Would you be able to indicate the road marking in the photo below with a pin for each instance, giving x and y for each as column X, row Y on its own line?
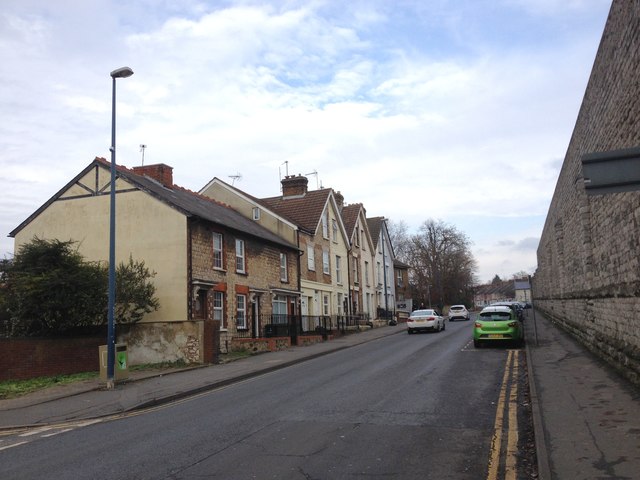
column 36, row 431
column 53, row 434
column 14, row 445
column 506, row 418
column 512, row 436
column 496, row 443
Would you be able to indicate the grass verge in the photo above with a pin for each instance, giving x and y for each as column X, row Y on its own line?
column 17, row 388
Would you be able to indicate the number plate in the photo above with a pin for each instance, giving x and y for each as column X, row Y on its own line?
column 495, row 336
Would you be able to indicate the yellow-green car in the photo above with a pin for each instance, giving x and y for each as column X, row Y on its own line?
column 497, row 324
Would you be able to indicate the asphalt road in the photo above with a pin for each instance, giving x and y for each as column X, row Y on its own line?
column 405, row 406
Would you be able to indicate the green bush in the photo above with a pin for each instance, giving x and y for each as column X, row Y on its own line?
column 48, row 288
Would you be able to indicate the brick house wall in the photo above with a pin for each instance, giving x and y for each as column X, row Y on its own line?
column 319, row 244
column 260, row 282
column 588, row 276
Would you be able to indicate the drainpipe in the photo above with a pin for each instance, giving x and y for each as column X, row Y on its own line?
column 384, row 269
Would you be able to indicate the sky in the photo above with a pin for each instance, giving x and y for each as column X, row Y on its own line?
column 452, row 110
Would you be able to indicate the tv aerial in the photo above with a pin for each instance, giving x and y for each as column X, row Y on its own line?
column 315, row 172
column 235, row 177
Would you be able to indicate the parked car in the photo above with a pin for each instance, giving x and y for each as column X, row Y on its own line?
column 515, row 306
column 458, row 311
column 425, row 320
column 497, row 323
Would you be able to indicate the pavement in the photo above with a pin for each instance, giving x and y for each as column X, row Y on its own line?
column 586, row 416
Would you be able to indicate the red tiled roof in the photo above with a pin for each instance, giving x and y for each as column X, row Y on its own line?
column 305, row 211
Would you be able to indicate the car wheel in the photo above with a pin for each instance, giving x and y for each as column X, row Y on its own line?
column 409, row 331
column 444, row 325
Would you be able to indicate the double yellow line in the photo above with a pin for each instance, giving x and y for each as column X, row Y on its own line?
column 507, row 407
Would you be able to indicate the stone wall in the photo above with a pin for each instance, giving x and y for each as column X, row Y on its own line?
column 588, row 276
column 163, row 342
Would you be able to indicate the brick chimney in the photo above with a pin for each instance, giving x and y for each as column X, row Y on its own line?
column 159, row 172
column 293, row 185
column 339, row 201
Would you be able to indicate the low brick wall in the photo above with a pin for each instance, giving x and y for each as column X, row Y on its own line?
column 24, row 358
column 256, row 345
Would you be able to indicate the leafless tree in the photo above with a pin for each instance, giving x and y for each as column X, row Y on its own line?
column 443, row 265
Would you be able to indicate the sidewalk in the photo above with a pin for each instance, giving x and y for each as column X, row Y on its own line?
column 586, row 416
column 89, row 399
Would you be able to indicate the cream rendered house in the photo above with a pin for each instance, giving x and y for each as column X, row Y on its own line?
column 314, row 218
column 362, row 255
column 383, row 266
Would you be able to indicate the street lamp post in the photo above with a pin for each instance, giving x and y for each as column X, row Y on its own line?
column 122, row 72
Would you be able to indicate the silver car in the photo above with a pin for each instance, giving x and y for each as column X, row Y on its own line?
column 425, row 321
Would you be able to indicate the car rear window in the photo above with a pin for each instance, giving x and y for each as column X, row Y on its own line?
column 422, row 313
column 455, row 309
column 495, row 315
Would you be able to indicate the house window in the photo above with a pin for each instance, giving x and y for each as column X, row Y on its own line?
column 256, row 213
column 325, row 304
column 355, row 270
column 325, row 262
column 279, row 307
column 240, row 260
column 218, row 309
column 283, row 267
column 311, row 258
column 399, row 278
column 241, row 311
column 366, row 273
column 338, row 269
column 334, row 230
column 379, row 273
column 364, row 244
column 357, row 239
column 217, row 250
column 340, row 304
column 325, row 224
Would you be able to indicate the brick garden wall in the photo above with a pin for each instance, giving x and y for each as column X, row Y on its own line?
column 24, row 358
column 588, row 276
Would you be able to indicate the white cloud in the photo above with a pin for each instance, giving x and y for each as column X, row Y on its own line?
column 399, row 108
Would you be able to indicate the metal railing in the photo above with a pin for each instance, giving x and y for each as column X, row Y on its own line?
column 299, row 325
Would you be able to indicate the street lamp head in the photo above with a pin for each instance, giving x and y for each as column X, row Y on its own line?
column 122, row 72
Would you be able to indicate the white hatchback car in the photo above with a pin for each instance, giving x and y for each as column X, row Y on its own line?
column 425, row 320
column 458, row 311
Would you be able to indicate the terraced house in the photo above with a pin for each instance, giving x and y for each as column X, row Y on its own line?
column 362, row 287
column 215, row 268
column 232, row 271
column 383, row 266
column 313, row 217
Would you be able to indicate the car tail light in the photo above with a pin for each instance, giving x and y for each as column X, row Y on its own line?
column 513, row 324
column 431, row 318
column 478, row 325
